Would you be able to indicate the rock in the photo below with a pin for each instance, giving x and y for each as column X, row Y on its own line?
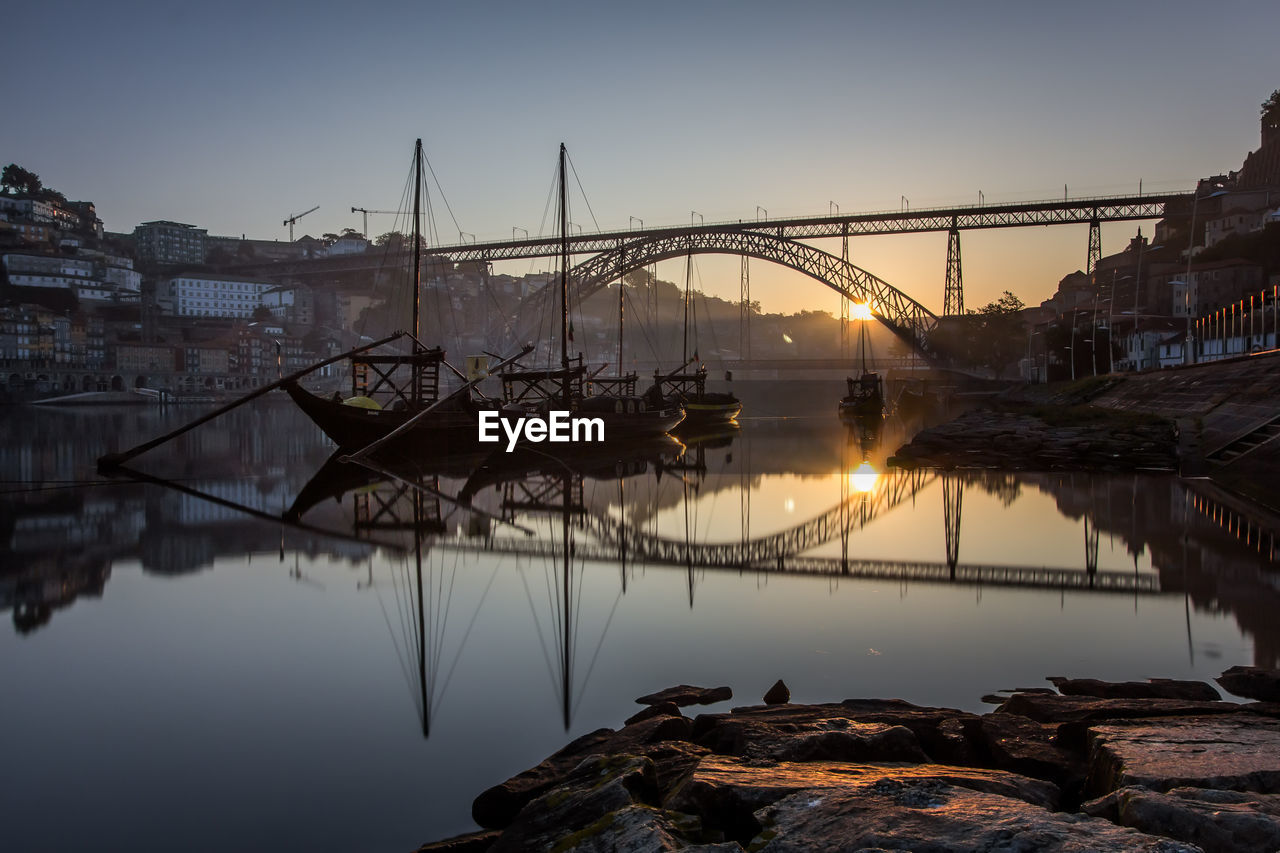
column 1024, row 746
column 1155, row 688
column 934, row 816
column 940, row 731
column 854, row 730
column 727, row 792
column 778, row 694
column 1083, row 709
column 1252, row 682
column 1216, row 821
column 660, row 709
column 824, row 739
column 1240, row 753
column 600, row 784
column 640, row 829
column 684, row 695
column 471, row 842
column 1000, row 696
column 498, row 806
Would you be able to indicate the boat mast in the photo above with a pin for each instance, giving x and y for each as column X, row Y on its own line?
column 417, row 262
column 621, row 294
column 564, row 276
column 422, row 622
column 688, row 282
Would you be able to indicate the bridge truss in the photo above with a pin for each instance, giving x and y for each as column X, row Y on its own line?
column 904, row 316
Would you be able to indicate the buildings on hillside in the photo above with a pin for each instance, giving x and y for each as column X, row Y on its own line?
column 1169, row 300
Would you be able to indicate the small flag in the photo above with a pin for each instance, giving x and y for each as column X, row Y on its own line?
column 695, row 354
column 570, row 331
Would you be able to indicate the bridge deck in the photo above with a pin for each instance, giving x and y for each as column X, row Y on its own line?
column 1037, row 577
column 965, row 217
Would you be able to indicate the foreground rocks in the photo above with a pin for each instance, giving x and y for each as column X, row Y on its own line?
column 1125, row 766
column 1035, row 440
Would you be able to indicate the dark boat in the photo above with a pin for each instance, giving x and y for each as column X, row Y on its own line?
column 865, row 397
column 689, row 390
column 395, row 398
column 701, row 407
column 866, row 393
column 360, row 419
column 538, row 391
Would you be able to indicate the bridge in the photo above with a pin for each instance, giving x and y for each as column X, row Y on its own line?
column 610, row 540
column 780, row 240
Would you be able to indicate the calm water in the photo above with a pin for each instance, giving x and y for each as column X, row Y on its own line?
column 180, row 672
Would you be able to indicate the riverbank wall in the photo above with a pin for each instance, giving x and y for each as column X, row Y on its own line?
column 1227, row 414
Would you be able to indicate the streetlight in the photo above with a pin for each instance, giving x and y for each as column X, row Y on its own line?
column 981, row 198
column 631, row 219
column 760, row 210
column 906, row 204
column 832, row 208
column 694, row 213
column 515, row 228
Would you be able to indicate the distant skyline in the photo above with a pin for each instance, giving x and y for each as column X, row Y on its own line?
column 234, row 116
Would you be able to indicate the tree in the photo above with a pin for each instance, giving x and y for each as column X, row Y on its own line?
column 393, row 241
column 14, row 177
column 990, row 337
column 1271, row 103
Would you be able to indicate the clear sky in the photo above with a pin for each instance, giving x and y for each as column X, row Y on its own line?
column 234, row 115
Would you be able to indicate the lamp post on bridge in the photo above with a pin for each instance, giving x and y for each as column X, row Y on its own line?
column 833, row 209
column 906, row 204
column 760, row 210
column 701, row 219
column 515, row 228
column 631, row 219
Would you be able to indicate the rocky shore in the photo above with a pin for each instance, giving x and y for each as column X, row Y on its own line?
column 1041, row 439
column 1160, row 766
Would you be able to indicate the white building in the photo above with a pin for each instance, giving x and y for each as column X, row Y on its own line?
column 348, row 244
column 292, row 303
column 210, row 295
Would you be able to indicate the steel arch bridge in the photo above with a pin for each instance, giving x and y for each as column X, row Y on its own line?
column 901, row 314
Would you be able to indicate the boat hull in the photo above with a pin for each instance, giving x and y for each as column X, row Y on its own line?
column 352, row 427
column 711, row 412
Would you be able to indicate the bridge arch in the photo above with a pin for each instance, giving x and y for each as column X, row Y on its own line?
column 901, row 314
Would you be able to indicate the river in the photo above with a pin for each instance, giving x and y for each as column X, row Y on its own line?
column 185, row 669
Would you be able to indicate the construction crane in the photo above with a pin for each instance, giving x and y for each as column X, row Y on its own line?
column 366, row 212
column 295, row 218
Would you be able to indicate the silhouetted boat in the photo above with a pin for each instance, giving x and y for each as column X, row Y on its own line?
column 538, row 391
column 689, row 390
column 398, row 394
column 866, row 392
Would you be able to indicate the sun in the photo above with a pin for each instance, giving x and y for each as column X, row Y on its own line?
column 860, row 311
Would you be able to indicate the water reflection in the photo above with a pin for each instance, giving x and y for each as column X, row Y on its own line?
column 422, row 629
column 653, row 505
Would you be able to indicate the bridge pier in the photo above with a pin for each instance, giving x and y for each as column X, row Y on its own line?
column 952, row 499
column 1095, row 246
column 953, row 296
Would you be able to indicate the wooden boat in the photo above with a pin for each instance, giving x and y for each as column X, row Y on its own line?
column 398, row 395
column 865, row 397
column 866, row 393
column 360, row 419
column 701, row 407
column 534, row 391
column 689, row 390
